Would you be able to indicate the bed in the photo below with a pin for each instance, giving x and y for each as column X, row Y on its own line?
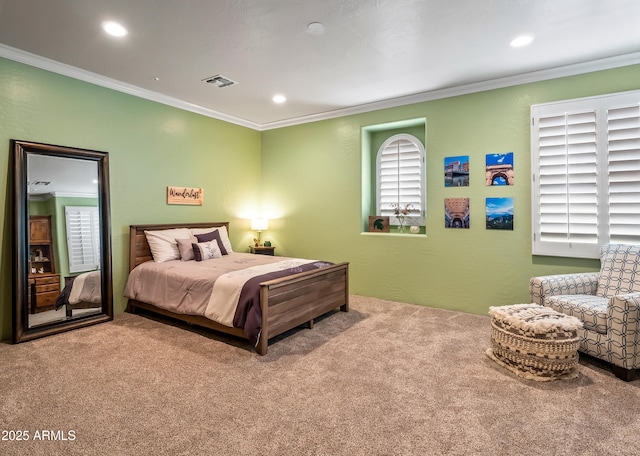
column 83, row 291
column 282, row 303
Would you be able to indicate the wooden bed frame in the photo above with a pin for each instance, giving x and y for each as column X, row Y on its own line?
column 81, row 305
column 285, row 303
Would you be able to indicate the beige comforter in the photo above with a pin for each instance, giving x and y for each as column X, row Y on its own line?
column 185, row 287
column 86, row 288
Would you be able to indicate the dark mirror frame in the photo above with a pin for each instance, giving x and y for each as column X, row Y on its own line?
column 21, row 330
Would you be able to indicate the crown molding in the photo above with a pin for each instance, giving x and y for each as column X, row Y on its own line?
column 43, row 63
column 492, row 84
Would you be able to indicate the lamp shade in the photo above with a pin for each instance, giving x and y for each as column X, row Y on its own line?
column 259, row 224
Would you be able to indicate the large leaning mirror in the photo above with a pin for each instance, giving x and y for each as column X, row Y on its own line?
column 62, row 239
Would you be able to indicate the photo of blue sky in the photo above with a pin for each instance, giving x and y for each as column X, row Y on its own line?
column 499, row 213
column 500, row 159
column 500, row 169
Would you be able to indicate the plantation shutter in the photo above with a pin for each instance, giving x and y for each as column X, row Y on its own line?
column 83, row 238
column 400, row 177
column 623, row 140
column 586, row 175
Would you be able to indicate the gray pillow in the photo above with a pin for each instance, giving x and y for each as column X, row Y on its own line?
column 185, row 248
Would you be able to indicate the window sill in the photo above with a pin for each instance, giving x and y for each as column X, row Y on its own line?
column 392, row 234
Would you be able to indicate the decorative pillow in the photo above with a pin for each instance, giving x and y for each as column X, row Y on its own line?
column 224, row 236
column 206, row 250
column 213, row 236
column 163, row 245
column 185, row 248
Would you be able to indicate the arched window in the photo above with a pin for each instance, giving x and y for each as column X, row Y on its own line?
column 401, row 180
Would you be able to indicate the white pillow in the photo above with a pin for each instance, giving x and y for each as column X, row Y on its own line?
column 224, row 236
column 163, row 244
column 206, row 250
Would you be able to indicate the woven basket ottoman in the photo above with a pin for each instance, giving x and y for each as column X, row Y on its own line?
column 535, row 342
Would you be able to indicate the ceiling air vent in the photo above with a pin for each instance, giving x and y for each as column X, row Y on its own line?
column 219, row 81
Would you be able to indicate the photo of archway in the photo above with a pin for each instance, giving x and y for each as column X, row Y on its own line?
column 499, row 213
column 499, row 169
column 456, row 171
column 456, row 212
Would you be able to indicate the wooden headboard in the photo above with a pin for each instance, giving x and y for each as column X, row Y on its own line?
column 139, row 248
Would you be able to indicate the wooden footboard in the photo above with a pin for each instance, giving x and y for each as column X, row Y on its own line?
column 81, row 305
column 291, row 301
column 285, row 303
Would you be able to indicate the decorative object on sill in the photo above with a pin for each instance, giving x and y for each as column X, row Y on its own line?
column 259, row 225
column 185, row 195
column 401, row 211
column 267, row 243
column 378, row 224
column 414, row 229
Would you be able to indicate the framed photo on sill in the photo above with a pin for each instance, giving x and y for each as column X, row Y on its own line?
column 378, row 224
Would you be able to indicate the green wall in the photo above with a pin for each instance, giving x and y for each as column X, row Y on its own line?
column 150, row 145
column 307, row 179
column 312, row 175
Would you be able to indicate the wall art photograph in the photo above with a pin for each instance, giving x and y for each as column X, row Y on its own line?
column 456, row 171
column 499, row 213
column 499, row 169
column 456, row 212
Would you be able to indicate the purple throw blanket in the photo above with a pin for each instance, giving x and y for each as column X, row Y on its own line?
column 248, row 315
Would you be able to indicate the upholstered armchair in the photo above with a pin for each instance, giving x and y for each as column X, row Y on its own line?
column 607, row 302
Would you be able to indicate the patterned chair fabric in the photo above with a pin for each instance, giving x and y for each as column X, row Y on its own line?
column 591, row 310
column 619, row 271
column 607, row 302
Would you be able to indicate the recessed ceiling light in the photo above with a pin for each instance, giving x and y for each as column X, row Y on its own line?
column 279, row 99
column 316, row 28
column 520, row 41
column 114, row 29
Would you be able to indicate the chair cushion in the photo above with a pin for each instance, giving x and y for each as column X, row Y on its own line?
column 619, row 270
column 591, row 310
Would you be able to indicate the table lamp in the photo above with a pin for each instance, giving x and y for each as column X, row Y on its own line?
column 259, row 225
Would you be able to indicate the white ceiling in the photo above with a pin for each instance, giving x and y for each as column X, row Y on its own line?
column 60, row 176
column 372, row 54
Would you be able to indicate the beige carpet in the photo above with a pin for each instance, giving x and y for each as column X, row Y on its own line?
column 384, row 379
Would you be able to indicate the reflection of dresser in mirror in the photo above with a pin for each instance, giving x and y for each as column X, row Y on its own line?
column 44, row 283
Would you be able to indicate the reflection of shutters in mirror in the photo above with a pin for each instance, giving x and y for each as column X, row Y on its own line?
column 83, row 238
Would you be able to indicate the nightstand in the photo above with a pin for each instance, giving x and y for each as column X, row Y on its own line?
column 263, row 250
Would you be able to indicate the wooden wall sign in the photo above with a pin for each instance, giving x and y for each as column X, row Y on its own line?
column 185, row 195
